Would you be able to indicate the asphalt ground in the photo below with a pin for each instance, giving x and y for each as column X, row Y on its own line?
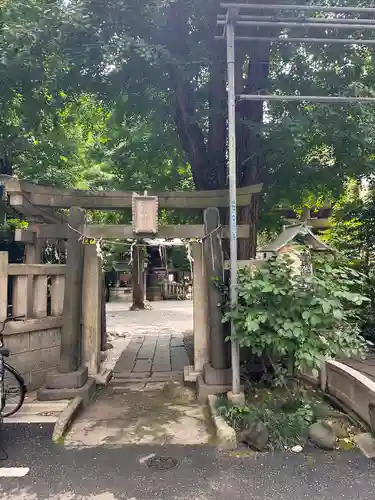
column 105, row 473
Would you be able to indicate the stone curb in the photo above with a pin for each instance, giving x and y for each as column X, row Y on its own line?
column 225, row 434
column 103, row 377
column 66, row 418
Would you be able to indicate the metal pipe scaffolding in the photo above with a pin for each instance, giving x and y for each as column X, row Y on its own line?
column 343, row 41
column 320, row 20
column 235, row 351
column 297, row 24
column 309, row 8
column 311, row 98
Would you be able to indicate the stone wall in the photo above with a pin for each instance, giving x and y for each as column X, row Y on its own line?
column 34, row 353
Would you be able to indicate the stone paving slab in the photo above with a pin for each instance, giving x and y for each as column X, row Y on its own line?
column 151, row 355
column 125, row 363
column 146, row 402
column 179, row 358
column 147, row 350
column 130, row 375
column 161, row 365
column 142, row 365
column 177, row 341
column 157, row 353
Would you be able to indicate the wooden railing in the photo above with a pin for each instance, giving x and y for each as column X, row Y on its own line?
column 173, row 290
column 37, row 290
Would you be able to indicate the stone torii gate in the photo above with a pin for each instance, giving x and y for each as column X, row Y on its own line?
column 83, row 302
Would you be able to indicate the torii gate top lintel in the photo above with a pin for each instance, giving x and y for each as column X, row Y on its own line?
column 41, row 205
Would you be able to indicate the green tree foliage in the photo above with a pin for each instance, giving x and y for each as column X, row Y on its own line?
column 62, row 154
column 55, row 127
column 353, row 225
column 133, row 95
column 165, row 54
column 139, row 153
column 353, row 234
column 282, row 314
column 31, row 65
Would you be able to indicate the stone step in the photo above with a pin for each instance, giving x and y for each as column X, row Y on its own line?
column 38, row 412
column 128, row 374
column 22, row 418
column 56, row 406
column 138, row 377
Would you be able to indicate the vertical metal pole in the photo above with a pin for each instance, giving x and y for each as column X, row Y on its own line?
column 232, row 195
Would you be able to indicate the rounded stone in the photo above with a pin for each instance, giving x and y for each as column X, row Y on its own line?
column 256, row 436
column 322, row 436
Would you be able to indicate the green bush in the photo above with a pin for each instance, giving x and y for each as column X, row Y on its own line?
column 286, row 426
column 282, row 314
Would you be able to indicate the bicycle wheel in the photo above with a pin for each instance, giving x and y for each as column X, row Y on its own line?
column 15, row 391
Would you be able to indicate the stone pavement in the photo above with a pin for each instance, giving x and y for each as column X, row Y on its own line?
column 154, row 356
column 146, row 401
column 151, row 340
column 152, row 413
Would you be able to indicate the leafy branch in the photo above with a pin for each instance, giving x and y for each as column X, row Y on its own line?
column 284, row 315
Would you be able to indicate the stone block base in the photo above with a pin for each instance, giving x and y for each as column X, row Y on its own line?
column 86, row 392
column 366, row 444
column 204, row 390
column 236, row 399
column 190, row 375
column 212, row 376
column 71, row 380
column 103, row 377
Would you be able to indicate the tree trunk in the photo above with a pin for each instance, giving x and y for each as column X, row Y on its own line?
column 250, row 144
column 6, row 165
column 137, row 280
column 206, row 149
column 249, row 216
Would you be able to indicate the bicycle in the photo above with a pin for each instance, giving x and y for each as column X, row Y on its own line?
column 11, row 382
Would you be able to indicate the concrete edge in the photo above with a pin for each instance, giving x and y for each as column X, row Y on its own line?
column 103, row 377
column 190, row 375
column 66, row 418
column 345, row 403
column 366, row 444
column 353, row 373
column 225, row 434
column 320, row 379
column 347, row 395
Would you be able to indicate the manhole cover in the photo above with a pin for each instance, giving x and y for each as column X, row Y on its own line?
column 162, row 463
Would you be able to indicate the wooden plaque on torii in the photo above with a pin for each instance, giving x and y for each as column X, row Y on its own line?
column 145, row 214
